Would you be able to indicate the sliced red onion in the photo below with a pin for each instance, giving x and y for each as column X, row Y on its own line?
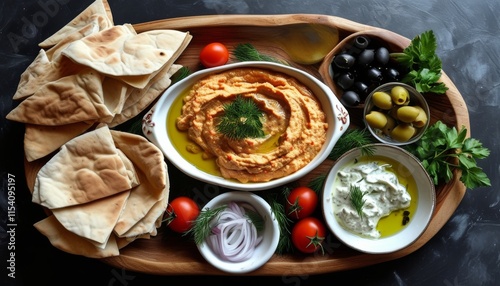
column 234, row 237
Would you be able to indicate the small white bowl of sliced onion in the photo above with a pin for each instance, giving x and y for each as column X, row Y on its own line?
column 244, row 233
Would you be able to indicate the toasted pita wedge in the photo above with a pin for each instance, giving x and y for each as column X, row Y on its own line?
column 41, row 140
column 152, row 171
column 145, row 156
column 71, row 99
column 140, row 99
column 141, row 201
column 98, row 10
column 69, row 242
column 119, row 51
column 42, row 71
column 85, row 169
column 148, row 223
column 94, row 220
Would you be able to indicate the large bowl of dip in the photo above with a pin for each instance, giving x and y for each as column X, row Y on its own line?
column 397, row 194
column 302, row 121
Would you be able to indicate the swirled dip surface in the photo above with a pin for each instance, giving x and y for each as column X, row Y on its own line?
column 383, row 195
column 294, row 123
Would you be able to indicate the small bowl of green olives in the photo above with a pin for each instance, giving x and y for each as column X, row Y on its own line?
column 396, row 113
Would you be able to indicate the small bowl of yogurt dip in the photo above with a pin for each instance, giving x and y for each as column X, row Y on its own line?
column 378, row 199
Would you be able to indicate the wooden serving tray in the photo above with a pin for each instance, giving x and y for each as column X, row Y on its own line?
column 171, row 254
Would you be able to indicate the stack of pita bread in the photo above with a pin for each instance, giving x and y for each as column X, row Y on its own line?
column 90, row 72
column 103, row 188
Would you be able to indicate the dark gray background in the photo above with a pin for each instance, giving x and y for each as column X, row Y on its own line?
column 465, row 252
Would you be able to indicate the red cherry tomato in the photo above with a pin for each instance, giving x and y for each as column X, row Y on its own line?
column 308, row 235
column 301, row 203
column 213, row 55
column 181, row 213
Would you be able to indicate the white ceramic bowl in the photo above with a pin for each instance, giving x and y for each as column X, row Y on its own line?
column 264, row 250
column 155, row 125
column 420, row 218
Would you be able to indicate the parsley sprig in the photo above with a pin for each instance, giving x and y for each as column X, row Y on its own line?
column 241, row 119
column 443, row 149
column 423, row 63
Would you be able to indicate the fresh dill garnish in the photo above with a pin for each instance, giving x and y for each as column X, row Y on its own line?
column 353, row 138
column 356, row 196
column 201, row 226
column 247, row 52
column 276, row 202
column 241, row 119
column 256, row 219
column 316, row 183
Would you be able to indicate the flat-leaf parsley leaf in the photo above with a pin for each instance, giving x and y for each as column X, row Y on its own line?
column 423, row 63
column 443, row 149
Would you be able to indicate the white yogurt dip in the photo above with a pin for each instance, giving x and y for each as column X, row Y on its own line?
column 383, row 194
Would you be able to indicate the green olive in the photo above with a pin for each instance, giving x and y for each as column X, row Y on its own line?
column 400, row 95
column 403, row 132
column 421, row 119
column 391, row 123
column 376, row 119
column 407, row 114
column 382, row 100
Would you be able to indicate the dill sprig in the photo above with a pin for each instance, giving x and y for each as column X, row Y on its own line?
column 256, row 219
column 278, row 208
column 316, row 184
column 241, row 119
column 247, row 52
column 357, row 201
column 353, row 138
column 201, row 226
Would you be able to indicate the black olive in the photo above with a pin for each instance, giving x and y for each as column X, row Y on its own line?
column 344, row 61
column 345, row 80
column 366, row 57
column 382, row 56
column 392, row 74
column 374, row 74
column 350, row 99
column 361, row 88
column 361, row 42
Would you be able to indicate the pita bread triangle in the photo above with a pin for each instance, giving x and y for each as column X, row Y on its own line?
column 85, row 169
column 63, row 239
column 97, row 10
column 93, row 220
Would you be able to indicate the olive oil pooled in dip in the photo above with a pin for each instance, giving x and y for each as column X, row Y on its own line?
column 183, row 144
column 389, row 194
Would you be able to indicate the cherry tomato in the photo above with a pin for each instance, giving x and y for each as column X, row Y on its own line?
column 301, row 203
column 181, row 213
column 214, row 54
column 308, row 235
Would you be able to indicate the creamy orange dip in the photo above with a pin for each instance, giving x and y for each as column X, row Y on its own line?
column 294, row 123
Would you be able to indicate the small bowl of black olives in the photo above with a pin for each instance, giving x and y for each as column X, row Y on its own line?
column 396, row 113
column 360, row 63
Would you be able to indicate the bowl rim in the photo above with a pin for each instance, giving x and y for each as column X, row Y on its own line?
column 413, row 93
column 390, row 243
column 272, row 229
column 154, row 125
